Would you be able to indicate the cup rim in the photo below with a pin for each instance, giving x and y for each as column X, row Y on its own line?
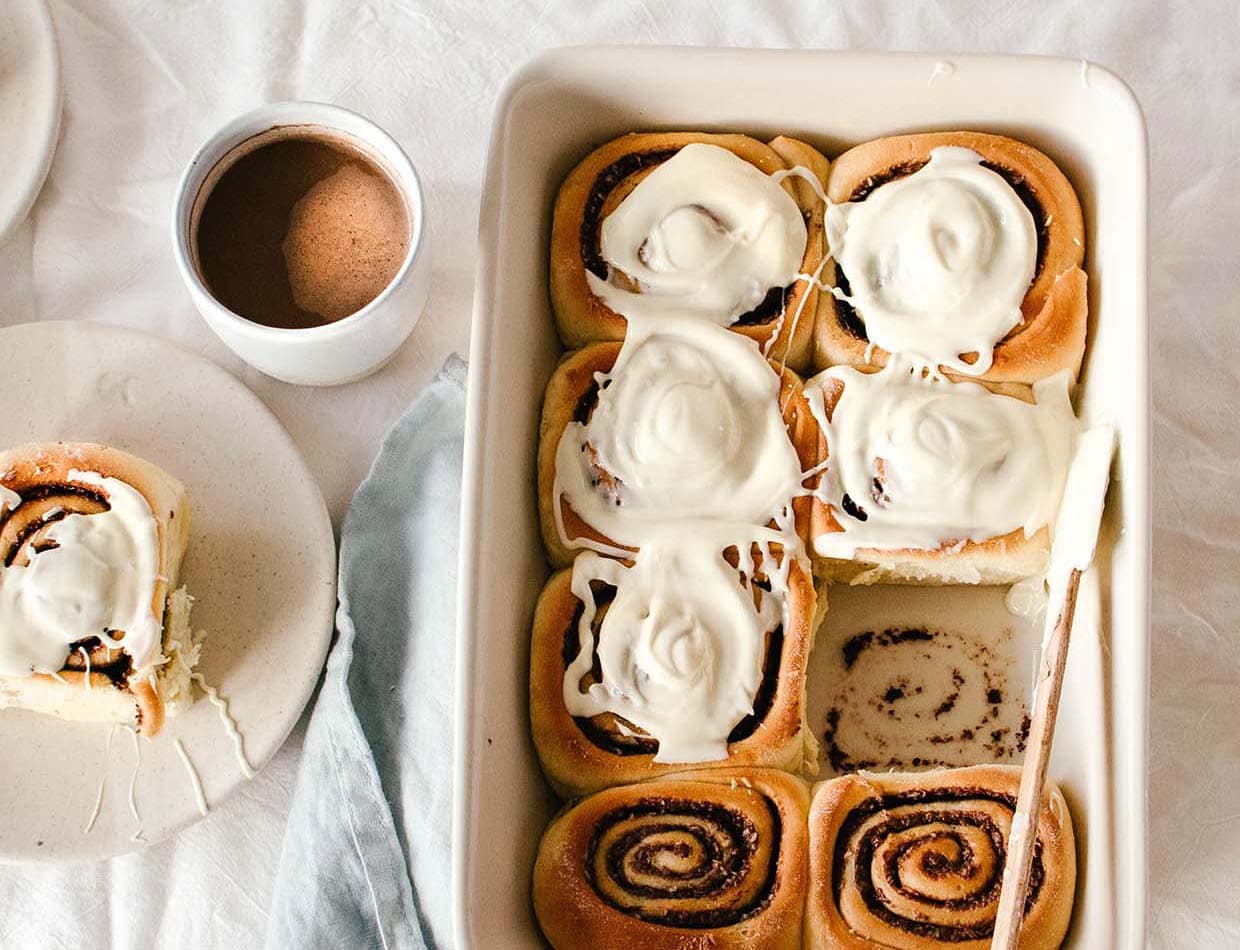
column 309, row 113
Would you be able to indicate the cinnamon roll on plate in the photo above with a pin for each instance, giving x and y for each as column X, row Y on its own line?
column 679, row 657
column 960, row 249
column 699, row 859
column 916, row 861
column 718, row 226
column 936, row 479
column 92, row 624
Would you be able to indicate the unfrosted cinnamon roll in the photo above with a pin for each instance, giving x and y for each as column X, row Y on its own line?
column 691, row 222
column 92, row 626
column 700, row 859
column 961, row 249
column 916, row 861
column 679, row 679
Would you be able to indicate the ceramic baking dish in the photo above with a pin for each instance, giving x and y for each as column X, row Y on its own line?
column 550, row 114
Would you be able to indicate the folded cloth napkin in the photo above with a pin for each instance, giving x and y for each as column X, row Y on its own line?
column 365, row 861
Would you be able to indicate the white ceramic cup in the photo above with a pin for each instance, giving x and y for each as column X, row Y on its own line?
column 337, row 352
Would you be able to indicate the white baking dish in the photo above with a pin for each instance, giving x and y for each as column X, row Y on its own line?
column 551, row 113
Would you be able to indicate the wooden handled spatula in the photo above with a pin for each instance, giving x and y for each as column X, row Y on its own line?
column 1072, row 551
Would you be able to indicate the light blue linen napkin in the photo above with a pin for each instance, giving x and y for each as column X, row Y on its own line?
column 366, row 856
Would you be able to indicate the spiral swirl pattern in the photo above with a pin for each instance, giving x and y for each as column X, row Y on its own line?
column 930, row 864
column 695, row 859
column 917, row 860
column 697, row 864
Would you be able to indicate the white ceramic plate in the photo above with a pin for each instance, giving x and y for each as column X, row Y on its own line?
column 29, row 106
column 261, row 563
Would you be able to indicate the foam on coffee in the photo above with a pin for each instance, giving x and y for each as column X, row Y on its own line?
column 298, row 227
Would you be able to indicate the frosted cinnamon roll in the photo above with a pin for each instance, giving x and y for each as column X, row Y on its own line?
column 92, row 625
column 685, row 422
column 936, row 480
column 962, row 250
column 916, row 861
column 699, row 859
column 634, row 673
column 716, row 226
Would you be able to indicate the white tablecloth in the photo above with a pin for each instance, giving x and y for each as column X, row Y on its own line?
column 145, row 82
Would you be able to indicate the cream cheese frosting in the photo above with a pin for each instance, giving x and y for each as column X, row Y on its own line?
column 689, row 429
column 938, row 261
column 680, row 648
column 688, row 426
column 95, row 577
column 917, row 461
column 705, row 233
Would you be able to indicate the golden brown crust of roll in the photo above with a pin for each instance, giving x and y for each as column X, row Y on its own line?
column 571, row 394
column 582, row 318
column 570, row 385
column 1051, row 335
column 859, row 823
column 575, row 764
column 29, row 468
column 760, row 814
column 1001, row 560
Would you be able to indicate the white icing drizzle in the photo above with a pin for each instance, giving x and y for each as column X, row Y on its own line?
column 705, row 233
column 939, row 261
column 99, row 577
column 133, row 784
column 688, row 425
column 230, row 726
column 94, row 812
column 931, row 462
column 86, row 657
column 9, row 499
column 199, row 796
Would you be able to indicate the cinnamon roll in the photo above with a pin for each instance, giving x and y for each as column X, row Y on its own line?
column 700, row 859
column 916, row 861
column 630, row 683
column 960, row 249
column 719, row 226
column 92, row 626
column 936, row 480
column 686, row 422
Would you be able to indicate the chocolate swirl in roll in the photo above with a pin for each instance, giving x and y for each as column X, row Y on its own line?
column 586, row 378
column 917, row 860
column 848, row 317
column 620, row 737
column 24, row 531
column 585, row 748
column 685, row 863
column 931, row 861
column 690, row 243
column 700, row 858
column 91, row 541
column 988, row 286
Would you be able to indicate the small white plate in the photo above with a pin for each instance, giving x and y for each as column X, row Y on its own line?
column 29, row 106
column 261, row 564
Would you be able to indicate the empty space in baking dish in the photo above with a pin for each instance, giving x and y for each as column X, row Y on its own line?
column 551, row 114
column 919, row 678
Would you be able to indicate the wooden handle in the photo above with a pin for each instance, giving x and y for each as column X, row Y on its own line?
column 1024, row 833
